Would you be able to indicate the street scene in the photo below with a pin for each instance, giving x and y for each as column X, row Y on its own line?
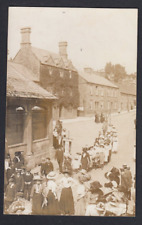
column 70, row 140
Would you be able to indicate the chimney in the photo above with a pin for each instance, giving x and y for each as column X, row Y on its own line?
column 25, row 37
column 63, row 49
column 88, row 70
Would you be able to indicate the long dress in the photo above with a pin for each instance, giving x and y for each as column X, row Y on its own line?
column 80, row 205
column 66, row 199
column 37, row 199
column 52, row 207
column 52, row 204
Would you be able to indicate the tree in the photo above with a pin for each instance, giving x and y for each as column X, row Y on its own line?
column 119, row 72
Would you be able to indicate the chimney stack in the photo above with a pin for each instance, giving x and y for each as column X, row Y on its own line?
column 63, row 49
column 25, row 37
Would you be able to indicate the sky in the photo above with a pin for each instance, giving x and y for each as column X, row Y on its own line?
column 94, row 36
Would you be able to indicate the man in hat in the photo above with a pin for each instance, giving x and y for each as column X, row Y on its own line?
column 10, row 193
column 19, row 181
column 18, row 160
column 59, row 157
column 28, row 181
column 126, row 181
column 67, row 163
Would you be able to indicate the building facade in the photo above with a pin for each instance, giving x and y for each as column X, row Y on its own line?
column 97, row 94
column 127, row 99
column 28, row 116
column 54, row 72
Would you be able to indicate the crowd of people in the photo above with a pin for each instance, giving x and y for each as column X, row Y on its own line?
column 71, row 189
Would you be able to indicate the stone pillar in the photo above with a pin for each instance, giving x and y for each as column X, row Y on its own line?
column 28, row 132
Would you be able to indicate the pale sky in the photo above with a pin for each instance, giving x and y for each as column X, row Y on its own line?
column 94, row 36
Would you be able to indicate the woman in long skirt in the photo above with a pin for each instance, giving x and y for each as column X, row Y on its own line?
column 50, row 205
column 37, row 197
column 66, row 199
column 80, row 205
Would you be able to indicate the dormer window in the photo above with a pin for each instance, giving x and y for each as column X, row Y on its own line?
column 61, row 74
column 70, row 74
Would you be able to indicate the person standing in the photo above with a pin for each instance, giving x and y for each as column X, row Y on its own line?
column 50, row 203
column 60, row 157
column 85, row 159
column 66, row 203
column 19, row 182
column 80, row 203
column 10, row 193
column 28, row 181
column 37, row 197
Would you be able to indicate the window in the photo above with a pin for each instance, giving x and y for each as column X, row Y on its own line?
column 39, row 124
column 91, row 90
column 102, row 92
column 102, row 105
column 97, row 90
column 14, row 125
column 70, row 74
column 91, row 106
column 96, row 105
column 61, row 74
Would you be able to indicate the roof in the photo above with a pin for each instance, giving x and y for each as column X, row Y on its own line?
column 19, row 83
column 96, row 79
column 53, row 59
column 128, row 88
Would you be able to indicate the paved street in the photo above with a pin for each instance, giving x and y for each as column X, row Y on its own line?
column 85, row 132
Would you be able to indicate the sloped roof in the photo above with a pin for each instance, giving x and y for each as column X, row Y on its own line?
column 96, row 79
column 19, row 83
column 128, row 88
column 58, row 61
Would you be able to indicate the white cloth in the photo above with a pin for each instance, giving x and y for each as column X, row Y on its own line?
column 67, row 182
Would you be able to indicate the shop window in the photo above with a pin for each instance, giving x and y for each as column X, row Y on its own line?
column 39, row 124
column 15, row 125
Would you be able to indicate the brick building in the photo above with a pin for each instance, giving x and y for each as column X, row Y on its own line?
column 54, row 72
column 28, row 115
column 97, row 94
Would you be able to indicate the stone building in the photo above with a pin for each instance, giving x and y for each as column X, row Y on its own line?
column 127, row 99
column 97, row 94
column 54, row 72
column 28, row 115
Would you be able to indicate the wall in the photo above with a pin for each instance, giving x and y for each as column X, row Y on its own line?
column 64, row 84
column 33, row 150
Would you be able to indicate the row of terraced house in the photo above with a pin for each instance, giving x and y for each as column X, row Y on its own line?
column 43, row 86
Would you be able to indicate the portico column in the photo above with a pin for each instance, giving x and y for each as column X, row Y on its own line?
column 28, row 132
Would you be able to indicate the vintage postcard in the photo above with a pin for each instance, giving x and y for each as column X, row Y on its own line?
column 70, row 146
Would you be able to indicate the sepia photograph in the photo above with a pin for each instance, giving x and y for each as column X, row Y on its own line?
column 71, row 94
